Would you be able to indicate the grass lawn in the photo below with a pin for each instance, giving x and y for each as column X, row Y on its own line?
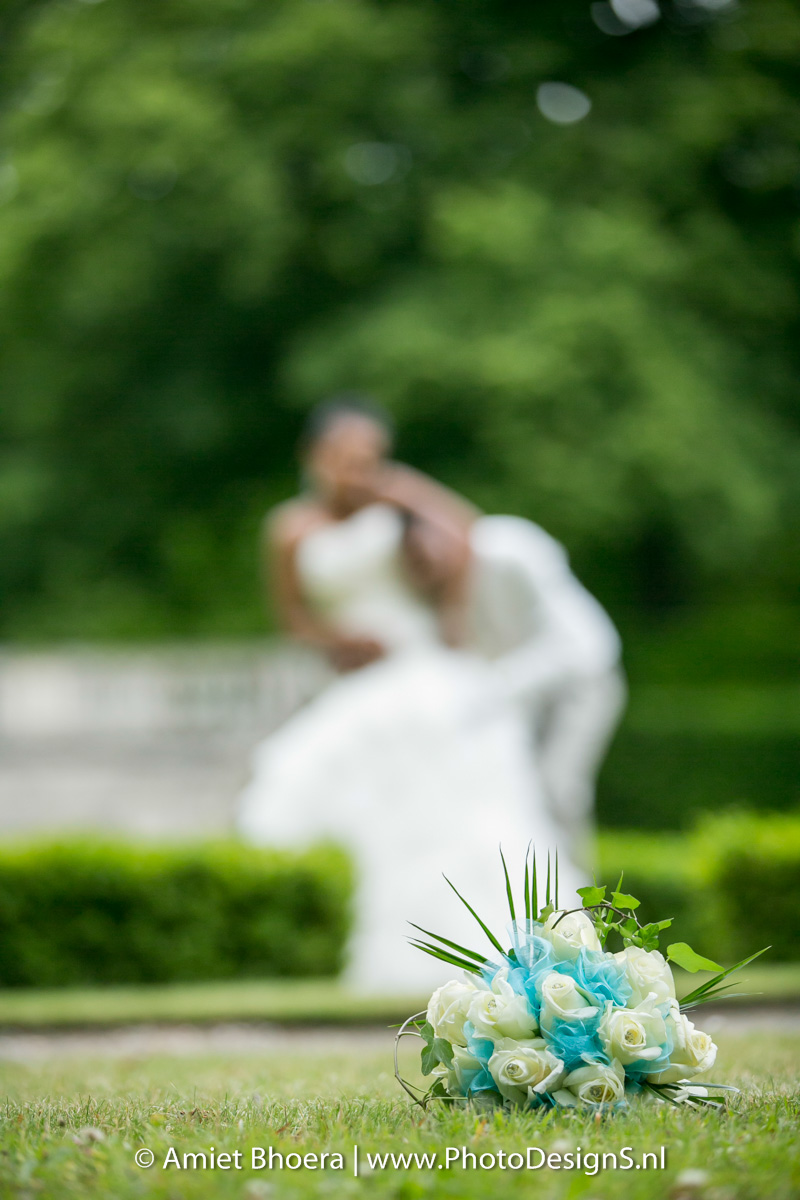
column 289, row 1001
column 70, row 1130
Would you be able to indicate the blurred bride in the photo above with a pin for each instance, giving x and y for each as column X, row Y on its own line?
column 391, row 760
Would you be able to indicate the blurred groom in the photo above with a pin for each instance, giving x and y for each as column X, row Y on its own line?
column 555, row 652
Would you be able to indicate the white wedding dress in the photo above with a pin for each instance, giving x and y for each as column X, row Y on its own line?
column 405, row 764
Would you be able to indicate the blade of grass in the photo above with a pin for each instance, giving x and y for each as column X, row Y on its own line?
column 704, row 1102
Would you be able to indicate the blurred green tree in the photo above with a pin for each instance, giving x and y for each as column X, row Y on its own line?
column 579, row 301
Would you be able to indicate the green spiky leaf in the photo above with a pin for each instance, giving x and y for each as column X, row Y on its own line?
column 527, row 891
column 509, row 893
column 481, row 958
column 704, row 992
column 482, row 924
column 444, row 956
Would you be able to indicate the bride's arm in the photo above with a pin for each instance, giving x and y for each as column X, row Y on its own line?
column 444, row 520
column 283, row 531
column 425, row 498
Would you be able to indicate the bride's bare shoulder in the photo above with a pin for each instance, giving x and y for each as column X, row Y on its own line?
column 288, row 523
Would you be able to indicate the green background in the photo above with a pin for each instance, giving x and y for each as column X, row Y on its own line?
column 215, row 212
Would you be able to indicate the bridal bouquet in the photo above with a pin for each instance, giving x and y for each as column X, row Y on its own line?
column 559, row 1021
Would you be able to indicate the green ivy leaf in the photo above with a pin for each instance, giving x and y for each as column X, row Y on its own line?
column 623, row 900
column 437, row 1050
column 591, row 895
column 428, row 1059
column 444, row 1051
column 683, row 954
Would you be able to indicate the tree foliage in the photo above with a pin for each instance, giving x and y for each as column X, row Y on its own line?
column 214, row 213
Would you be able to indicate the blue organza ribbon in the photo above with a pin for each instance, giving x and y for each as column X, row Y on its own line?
column 600, row 976
column 575, row 1042
column 476, row 1079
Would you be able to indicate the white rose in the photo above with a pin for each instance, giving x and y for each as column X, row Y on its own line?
column 447, row 1075
column 463, row 1060
column 633, row 1035
column 693, row 1052
column 596, row 1084
column 685, row 1093
column 648, row 973
column 447, row 1010
column 501, row 1012
column 570, row 934
column 563, row 1000
column 454, row 1076
column 524, row 1069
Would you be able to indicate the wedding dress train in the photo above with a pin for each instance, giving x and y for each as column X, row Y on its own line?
column 404, row 764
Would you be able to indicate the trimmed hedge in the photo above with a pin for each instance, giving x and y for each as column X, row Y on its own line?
column 693, row 750
column 687, row 774
column 663, row 871
column 732, row 885
column 87, row 912
column 753, row 865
